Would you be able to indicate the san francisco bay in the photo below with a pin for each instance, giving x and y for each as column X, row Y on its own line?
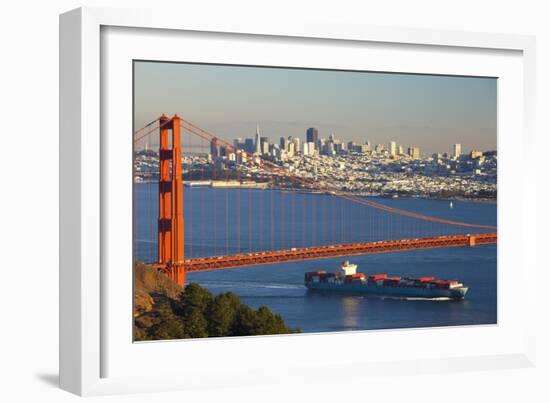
column 275, row 219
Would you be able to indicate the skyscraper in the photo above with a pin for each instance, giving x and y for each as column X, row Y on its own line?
column 297, row 143
column 305, row 150
column 264, row 145
column 258, row 144
column 249, row 146
column 238, row 143
column 214, row 149
column 310, row 148
column 414, row 152
column 291, row 149
column 393, row 148
column 457, row 150
column 286, row 140
column 312, row 135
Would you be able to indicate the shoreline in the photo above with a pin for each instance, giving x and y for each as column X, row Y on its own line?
column 360, row 194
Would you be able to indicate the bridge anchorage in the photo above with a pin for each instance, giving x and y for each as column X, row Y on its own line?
column 170, row 256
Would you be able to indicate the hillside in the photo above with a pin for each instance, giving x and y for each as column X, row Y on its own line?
column 163, row 310
column 152, row 288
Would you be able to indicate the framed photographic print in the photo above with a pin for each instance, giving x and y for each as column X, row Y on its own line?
column 243, row 222
column 282, row 197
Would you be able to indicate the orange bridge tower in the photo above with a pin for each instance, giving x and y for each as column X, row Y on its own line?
column 170, row 219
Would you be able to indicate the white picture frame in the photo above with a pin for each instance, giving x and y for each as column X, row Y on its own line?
column 96, row 349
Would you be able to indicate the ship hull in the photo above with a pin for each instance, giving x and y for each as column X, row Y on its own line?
column 401, row 292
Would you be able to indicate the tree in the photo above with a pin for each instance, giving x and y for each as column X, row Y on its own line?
column 196, row 325
column 270, row 323
column 221, row 314
column 197, row 313
column 169, row 325
column 140, row 334
column 250, row 322
column 245, row 322
column 193, row 298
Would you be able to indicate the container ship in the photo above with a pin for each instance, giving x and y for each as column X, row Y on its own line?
column 346, row 279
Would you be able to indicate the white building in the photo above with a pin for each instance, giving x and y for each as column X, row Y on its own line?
column 414, row 152
column 296, row 142
column 258, row 144
column 311, row 148
column 393, row 148
column 457, row 150
column 291, row 149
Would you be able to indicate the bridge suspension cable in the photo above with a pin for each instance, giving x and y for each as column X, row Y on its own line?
column 146, row 126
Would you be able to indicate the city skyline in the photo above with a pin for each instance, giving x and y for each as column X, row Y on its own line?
column 253, row 145
column 433, row 112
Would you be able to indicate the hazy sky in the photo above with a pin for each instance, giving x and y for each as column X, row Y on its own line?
column 432, row 112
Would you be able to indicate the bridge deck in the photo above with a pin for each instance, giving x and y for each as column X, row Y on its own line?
column 361, row 248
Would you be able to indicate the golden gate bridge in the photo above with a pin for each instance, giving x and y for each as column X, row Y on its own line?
column 385, row 228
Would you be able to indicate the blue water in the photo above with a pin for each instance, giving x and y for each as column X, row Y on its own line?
column 274, row 219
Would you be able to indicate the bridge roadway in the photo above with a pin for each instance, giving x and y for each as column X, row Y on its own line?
column 320, row 252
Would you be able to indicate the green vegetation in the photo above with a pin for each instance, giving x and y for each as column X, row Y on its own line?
column 196, row 313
